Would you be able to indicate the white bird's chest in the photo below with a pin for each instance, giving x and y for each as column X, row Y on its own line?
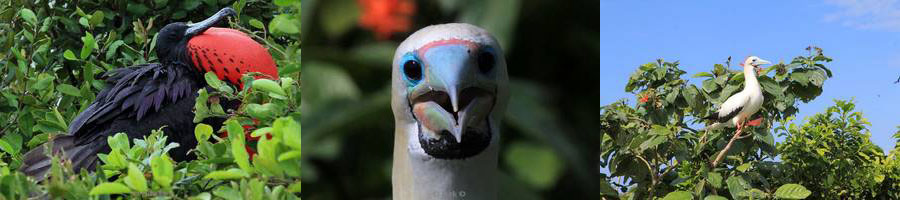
column 753, row 105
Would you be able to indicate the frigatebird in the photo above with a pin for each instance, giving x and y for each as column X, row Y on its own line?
column 146, row 97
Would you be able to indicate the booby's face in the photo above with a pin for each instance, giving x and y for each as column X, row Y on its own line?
column 448, row 82
column 755, row 63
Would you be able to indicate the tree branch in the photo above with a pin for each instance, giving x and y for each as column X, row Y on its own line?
column 721, row 156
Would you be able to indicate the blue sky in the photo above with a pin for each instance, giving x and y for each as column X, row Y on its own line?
column 862, row 36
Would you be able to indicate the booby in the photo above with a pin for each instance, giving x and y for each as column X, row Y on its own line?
column 449, row 93
column 742, row 105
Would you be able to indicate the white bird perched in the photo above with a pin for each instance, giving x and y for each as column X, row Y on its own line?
column 449, row 93
column 742, row 105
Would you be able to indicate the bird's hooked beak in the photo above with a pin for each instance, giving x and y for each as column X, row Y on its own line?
column 454, row 98
column 199, row 27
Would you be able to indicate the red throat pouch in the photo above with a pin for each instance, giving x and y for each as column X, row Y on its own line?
column 230, row 53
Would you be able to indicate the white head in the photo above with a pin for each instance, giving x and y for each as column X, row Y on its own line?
column 753, row 63
column 449, row 94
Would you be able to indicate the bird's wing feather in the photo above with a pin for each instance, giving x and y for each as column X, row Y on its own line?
column 132, row 92
column 732, row 106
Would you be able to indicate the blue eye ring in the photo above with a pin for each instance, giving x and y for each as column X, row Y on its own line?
column 411, row 68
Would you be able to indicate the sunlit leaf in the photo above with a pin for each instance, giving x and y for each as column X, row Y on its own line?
column 109, row 188
column 792, row 191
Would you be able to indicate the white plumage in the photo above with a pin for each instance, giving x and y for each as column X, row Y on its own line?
column 449, row 94
column 742, row 105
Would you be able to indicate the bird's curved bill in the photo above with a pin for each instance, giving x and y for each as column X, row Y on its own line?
column 200, row 27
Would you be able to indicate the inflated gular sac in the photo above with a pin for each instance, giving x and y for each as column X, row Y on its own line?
column 230, row 54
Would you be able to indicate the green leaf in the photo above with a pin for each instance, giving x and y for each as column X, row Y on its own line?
column 710, row 85
column 653, row 142
column 702, row 74
column 28, row 15
column 284, row 24
column 714, row 179
column 737, row 186
column 800, row 77
column 257, row 111
column 261, row 131
column 202, row 132
column 792, row 191
column 89, row 45
column 44, row 81
column 8, row 148
column 267, row 85
column 816, row 77
column 744, row 167
column 295, row 187
column 96, row 18
column 135, row 178
column 163, row 170
column 737, row 78
column 290, row 131
column 257, row 24
column 771, row 87
column 679, row 195
column 115, row 160
column 109, row 188
column 84, row 22
column 690, row 95
column 118, row 141
column 232, row 173
column 283, row 3
column 69, row 90
column 289, row 155
column 673, row 95
column 111, row 51
column 69, row 55
column 238, row 150
column 202, row 196
column 715, row 197
column 213, row 80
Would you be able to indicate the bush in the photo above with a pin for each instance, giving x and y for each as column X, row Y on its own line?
column 54, row 50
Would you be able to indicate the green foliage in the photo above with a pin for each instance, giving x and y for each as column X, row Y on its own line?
column 53, row 52
column 792, row 191
column 654, row 147
column 658, row 154
column 832, row 155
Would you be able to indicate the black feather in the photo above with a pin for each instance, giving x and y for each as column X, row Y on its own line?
column 716, row 116
column 136, row 100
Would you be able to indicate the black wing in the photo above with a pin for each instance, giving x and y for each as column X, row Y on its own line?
column 134, row 92
column 719, row 118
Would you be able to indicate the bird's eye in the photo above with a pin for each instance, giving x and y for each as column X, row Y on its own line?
column 486, row 61
column 413, row 70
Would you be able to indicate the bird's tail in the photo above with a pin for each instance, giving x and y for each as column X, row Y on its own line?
column 36, row 163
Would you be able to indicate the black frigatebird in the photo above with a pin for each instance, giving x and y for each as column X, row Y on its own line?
column 145, row 97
